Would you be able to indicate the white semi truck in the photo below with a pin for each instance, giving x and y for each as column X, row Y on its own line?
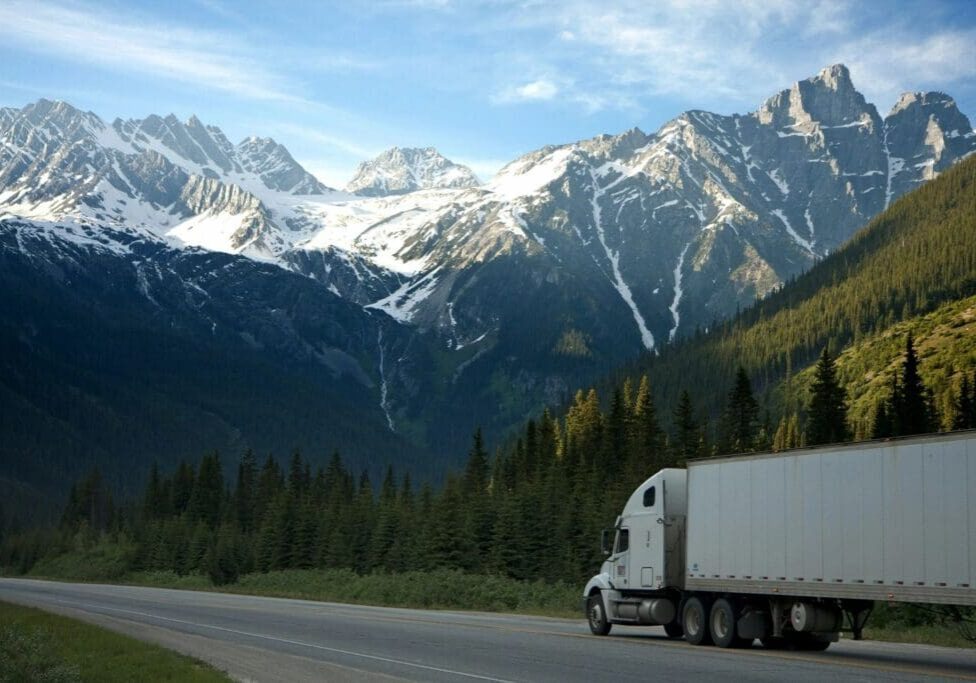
column 792, row 548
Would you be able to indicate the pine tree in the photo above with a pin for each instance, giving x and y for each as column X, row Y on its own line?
column 270, row 484
column 477, row 512
column 788, row 434
column 827, row 415
column 740, row 421
column 152, row 501
column 387, row 523
column 686, row 441
column 881, row 427
column 182, row 487
column 964, row 406
column 208, row 491
column 244, row 494
column 647, row 452
column 913, row 411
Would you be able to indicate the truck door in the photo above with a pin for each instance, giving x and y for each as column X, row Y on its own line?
column 621, row 558
column 647, row 555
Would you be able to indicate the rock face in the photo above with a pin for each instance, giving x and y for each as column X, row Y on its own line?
column 572, row 259
column 397, row 171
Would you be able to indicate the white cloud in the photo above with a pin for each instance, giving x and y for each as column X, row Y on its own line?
column 541, row 89
column 176, row 53
column 884, row 66
column 334, row 142
column 713, row 53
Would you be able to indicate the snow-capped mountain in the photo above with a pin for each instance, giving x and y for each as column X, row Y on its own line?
column 401, row 170
column 495, row 297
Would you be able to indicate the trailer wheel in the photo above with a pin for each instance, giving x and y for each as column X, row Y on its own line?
column 694, row 621
column 721, row 625
column 596, row 616
column 673, row 629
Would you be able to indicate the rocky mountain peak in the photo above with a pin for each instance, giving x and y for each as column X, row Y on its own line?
column 277, row 168
column 828, row 99
column 407, row 169
column 837, row 77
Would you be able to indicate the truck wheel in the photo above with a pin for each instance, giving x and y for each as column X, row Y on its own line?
column 673, row 629
column 596, row 616
column 694, row 621
column 721, row 625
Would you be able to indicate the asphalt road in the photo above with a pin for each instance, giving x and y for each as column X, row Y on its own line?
column 271, row 639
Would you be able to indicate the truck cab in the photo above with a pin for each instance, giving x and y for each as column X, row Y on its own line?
column 644, row 569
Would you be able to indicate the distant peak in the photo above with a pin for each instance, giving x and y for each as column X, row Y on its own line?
column 835, row 74
column 923, row 99
column 406, row 169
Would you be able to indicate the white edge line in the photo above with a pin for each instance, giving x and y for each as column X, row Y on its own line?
column 350, row 653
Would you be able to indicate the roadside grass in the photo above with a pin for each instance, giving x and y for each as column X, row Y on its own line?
column 919, row 635
column 437, row 589
column 49, row 648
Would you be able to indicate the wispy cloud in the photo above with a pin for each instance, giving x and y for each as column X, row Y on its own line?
column 541, row 89
column 326, row 140
column 620, row 53
column 886, row 66
column 196, row 57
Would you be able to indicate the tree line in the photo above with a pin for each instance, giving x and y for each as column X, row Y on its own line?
column 531, row 511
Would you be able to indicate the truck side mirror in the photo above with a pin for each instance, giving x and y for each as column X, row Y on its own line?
column 606, row 541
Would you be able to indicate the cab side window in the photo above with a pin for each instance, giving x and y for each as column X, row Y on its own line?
column 649, row 496
column 623, row 540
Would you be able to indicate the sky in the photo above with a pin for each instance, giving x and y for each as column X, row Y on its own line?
column 484, row 81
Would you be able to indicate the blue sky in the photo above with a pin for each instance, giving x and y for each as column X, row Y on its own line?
column 484, row 81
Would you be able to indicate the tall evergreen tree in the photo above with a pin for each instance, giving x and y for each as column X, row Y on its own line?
column 182, row 487
column 206, row 498
column 913, row 409
column 963, row 406
column 881, row 426
column 153, row 503
column 686, row 441
column 244, row 494
column 827, row 414
column 740, row 420
column 647, row 451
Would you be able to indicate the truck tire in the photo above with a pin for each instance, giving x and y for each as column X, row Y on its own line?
column 674, row 630
column 596, row 616
column 694, row 621
column 721, row 625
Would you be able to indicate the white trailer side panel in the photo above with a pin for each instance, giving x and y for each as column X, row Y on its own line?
column 891, row 520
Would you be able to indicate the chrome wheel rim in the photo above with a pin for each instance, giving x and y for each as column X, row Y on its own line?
column 692, row 621
column 720, row 624
column 596, row 615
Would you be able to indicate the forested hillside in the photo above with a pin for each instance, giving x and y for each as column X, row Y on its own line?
column 916, row 256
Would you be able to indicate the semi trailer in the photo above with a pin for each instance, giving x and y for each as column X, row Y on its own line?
column 792, row 548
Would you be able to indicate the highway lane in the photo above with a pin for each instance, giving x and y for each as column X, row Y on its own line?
column 271, row 639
